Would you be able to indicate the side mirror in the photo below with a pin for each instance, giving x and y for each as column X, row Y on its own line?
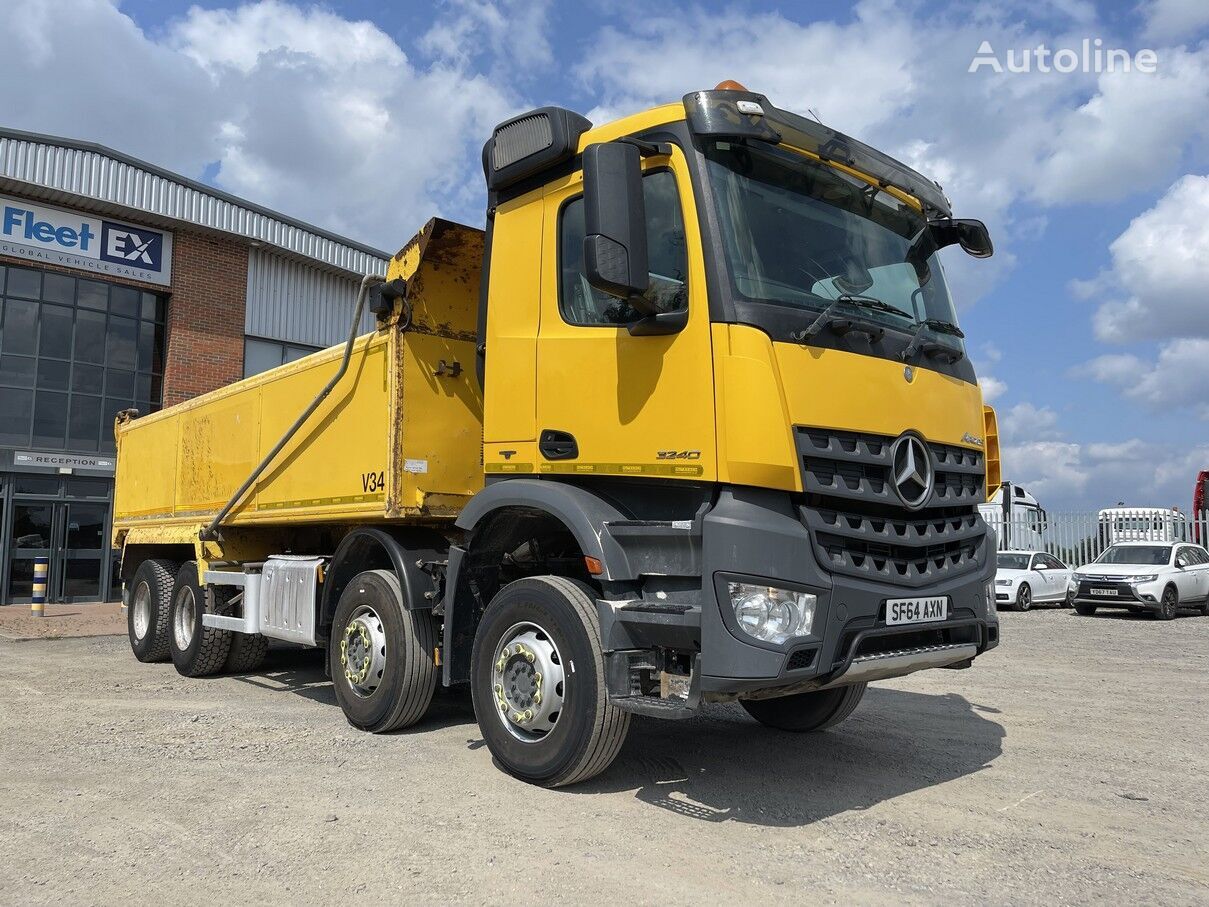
column 615, row 249
column 971, row 235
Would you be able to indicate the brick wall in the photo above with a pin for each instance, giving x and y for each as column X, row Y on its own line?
column 205, row 315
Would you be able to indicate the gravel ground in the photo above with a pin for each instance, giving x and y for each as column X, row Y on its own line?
column 1068, row 766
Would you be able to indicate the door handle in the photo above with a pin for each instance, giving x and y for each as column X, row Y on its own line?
column 557, row 445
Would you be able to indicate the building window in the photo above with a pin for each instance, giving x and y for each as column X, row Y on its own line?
column 261, row 355
column 74, row 352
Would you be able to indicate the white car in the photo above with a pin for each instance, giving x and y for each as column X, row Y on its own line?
column 1027, row 578
column 1145, row 576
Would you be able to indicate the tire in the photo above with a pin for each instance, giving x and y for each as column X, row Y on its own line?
column 1084, row 610
column 805, row 712
column 573, row 732
column 196, row 650
column 1205, row 608
column 1169, row 606
column 1069, row 601
column 382, row 656
column 247, row 649
column 1024, row 597
column 149, row 611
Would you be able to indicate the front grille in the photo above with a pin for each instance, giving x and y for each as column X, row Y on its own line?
column 860, row 527
column 1124, row 590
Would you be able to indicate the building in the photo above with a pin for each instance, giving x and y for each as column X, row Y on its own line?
column 124, row 285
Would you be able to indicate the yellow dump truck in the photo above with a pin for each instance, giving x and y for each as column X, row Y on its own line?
column 691, row 421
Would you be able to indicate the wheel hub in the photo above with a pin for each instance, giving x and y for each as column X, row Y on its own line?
column 363, row 651
column 142, row 610
column 528, row 682
column 184, row 616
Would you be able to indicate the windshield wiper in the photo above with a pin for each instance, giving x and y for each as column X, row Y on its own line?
column 860, row 302
column 934, row 349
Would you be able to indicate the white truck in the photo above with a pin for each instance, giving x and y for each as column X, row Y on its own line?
column 1017, row 518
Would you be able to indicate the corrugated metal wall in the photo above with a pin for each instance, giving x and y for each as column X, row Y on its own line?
column 115, row 180
column 290, row 301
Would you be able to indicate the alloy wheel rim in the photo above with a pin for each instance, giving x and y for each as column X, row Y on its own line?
column 528, row 682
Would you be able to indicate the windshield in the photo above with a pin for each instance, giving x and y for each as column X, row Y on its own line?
column 1013, row 561
column 1150, row 555
column 799, row 233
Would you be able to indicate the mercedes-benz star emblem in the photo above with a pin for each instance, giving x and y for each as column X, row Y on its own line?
column 911, row 471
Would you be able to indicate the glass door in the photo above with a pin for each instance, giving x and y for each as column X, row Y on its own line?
column 32, row 533
column 71, row 536
column 81, row 555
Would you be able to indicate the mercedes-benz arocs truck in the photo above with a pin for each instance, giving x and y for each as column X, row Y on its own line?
column 690, row 421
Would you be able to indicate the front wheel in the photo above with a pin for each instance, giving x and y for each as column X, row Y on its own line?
column 1169, row 605
column 1084, row 610
column 1024, row 598
column 538, row 683
column 804, row 712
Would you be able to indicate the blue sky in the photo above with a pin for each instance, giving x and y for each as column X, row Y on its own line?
column 1090, row 327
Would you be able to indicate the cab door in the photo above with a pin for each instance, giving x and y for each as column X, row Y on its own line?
column 610, row 402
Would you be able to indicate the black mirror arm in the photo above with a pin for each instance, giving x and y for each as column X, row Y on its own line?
column 661, row 323
column 647, row 149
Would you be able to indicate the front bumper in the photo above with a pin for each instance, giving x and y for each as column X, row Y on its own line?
column 1127, row 595
column 756, row 535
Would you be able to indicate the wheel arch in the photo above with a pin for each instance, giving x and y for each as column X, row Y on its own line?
column 399, row 550
column 499, row 519
column 134, row 555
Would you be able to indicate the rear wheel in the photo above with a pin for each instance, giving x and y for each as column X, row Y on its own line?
column 1169, row 605
column 196, row 650
column 382, row 656
column 149, row 610
column 538, row 683
column 1085, row 610
column 803, row 712
column 1024, row 597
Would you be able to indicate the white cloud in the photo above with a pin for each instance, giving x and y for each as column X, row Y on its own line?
column 1130, row 135
column 1068, row 475
column 992, row 388
column 1174, row 20
column 1024, row 421
column 304, row 111
column 509, row 31
column 993, row 140
column 1155, row 286
column 1177, row 379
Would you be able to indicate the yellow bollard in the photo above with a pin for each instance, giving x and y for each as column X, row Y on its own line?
column 37, row 606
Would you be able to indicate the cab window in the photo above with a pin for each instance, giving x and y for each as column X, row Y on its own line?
column 580, row 304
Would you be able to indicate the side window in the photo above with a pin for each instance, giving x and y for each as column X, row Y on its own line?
column 1054, row 562
column 580, row 304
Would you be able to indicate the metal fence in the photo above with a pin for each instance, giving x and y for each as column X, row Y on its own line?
column 1079, row 538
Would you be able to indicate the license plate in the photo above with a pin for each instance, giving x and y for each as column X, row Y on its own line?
column 1103, row 591
column 916, row 610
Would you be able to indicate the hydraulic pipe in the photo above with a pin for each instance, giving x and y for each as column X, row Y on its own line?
column 211, row 533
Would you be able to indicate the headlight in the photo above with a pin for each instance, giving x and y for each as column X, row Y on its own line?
column 1141, row 578
column 770, row 614
column 1077, row 577
column 1003, row 582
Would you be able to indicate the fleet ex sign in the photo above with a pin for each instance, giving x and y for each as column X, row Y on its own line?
column 106, row 247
